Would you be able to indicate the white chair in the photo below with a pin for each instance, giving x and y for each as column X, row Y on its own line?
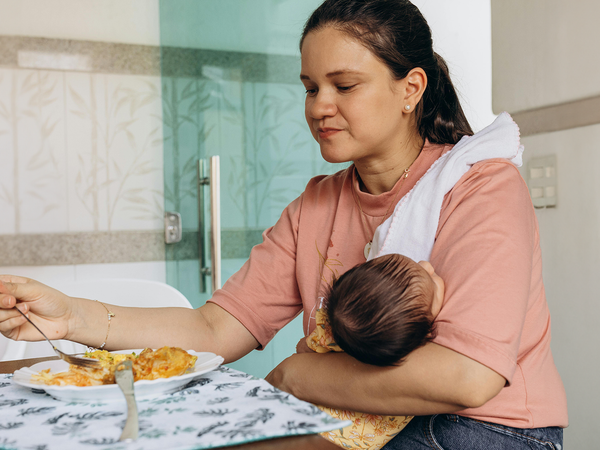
column 121, row 292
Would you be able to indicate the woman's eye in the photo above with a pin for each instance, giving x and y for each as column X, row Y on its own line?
column 345, row 88
column 311, row 92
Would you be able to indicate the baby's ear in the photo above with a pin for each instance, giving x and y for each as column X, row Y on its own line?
column 438, row 297
column 427, row 266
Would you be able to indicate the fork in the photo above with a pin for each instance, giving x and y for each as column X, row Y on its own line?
column 124, row 379
column 71, row 359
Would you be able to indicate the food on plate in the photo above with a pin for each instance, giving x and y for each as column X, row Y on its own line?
column 150, row 364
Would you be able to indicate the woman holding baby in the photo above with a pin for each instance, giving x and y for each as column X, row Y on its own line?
column 379, row 96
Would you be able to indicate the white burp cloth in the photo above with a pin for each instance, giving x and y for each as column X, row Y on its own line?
column 411, row 228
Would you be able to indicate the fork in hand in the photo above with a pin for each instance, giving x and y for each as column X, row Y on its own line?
column 71, row 359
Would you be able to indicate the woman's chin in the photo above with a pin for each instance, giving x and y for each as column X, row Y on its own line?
column 333, row 158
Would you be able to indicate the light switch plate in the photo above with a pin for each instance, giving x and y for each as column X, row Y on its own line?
column 542, row 181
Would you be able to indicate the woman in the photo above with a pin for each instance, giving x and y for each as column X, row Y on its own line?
column 376, row 95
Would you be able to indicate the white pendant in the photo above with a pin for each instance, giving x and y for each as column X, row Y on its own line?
column 368, row 249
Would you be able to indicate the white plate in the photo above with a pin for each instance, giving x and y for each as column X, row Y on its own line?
column 143, row 389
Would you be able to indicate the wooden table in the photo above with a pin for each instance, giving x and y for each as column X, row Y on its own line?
column 312, row 442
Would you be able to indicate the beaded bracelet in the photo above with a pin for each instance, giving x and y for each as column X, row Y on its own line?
column 110, row 316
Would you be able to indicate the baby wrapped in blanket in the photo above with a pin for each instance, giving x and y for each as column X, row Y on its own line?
column 377, row 312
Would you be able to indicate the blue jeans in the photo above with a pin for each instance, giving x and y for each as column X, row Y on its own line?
column 452, row 432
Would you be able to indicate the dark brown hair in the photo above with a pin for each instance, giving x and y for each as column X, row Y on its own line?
column 380, row 311
column 396, row 32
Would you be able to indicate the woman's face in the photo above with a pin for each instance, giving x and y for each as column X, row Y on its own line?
column 354, row 107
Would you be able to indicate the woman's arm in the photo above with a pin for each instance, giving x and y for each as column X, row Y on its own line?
column 209, row 328
column 433, row 380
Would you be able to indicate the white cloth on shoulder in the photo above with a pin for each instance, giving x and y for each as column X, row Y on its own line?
column 411, row 229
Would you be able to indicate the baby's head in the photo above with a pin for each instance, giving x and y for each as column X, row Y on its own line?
column 382, row 310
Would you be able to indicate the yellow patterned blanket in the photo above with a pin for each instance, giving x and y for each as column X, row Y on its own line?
column 367, row 431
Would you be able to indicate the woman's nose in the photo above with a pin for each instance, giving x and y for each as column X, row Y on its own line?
column 322, row 105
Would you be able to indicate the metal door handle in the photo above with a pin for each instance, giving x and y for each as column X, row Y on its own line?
column 213, row 180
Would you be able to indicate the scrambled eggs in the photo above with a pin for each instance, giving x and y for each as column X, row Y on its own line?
column 148, row 365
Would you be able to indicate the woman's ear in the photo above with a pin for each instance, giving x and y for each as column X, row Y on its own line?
column 415, row 84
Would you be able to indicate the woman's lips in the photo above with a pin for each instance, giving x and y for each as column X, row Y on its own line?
column 326, row 133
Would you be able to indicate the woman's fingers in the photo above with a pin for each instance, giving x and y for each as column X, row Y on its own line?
column 10, row 321
column 14, row 279
column 22, row 291
column 7, row 301
column 46, row 306
column 10, row 318
column 7, row 293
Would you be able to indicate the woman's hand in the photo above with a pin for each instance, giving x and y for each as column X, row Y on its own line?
column 48, row 308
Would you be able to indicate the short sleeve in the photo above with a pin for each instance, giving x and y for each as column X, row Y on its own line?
column 484, row 252
column 263, row 295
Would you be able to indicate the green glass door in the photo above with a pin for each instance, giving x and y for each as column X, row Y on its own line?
column 230, row 87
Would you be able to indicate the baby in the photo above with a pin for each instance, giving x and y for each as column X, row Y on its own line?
column 381, row 310
column 378, row 312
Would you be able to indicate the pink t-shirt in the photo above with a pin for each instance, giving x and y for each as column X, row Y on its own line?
column 486, row 250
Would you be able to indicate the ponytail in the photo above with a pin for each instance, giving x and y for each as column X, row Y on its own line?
column 440, row 117
column 399, row 36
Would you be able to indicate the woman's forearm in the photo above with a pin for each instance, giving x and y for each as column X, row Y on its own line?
column 433, row 380
column 209, row 328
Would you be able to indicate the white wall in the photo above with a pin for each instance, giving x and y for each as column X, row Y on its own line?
column 570, row 240
column 545, row 52
column 123, row 21
column 462, row 35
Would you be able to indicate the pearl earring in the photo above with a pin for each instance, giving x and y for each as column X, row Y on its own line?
column 407, row 107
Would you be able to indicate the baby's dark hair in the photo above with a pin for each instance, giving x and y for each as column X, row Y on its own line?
column 380, row 311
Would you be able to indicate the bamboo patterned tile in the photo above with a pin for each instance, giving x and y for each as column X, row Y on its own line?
column 7, row 155
column 40, row 145
column 135, row 170
column 115, row 145
column 84, row 163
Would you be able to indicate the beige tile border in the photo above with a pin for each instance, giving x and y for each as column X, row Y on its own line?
column 115, row 247
column 81, row 248
column 106, row 57
column 103, row 57
column 579, row 113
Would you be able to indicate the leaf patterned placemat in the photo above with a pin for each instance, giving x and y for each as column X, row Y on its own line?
column 222, row 407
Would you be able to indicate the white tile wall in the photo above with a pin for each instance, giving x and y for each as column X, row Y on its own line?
column 7, row 156
column 80, row 152
column 39, row 144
